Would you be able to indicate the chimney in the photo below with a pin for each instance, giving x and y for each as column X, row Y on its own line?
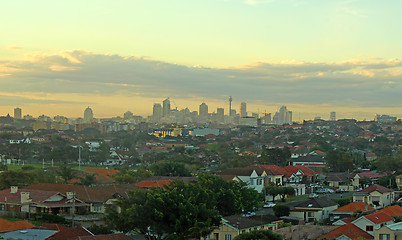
column 24, row 197
column 14, row 189
column 70, row 195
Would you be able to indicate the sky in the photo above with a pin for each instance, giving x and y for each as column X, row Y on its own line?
column 314, row 56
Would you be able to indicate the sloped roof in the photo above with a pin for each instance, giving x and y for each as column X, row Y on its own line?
column 276, row 170
column 393, row 211
column 294, row 169
column 339, row 176
column 378, row 217
column 354, row 206
column 375, row 187
column 242, row 222
column 115, row 236
column 316, row 203
column 349, row 230
column 153, row 183
column 373, row 174
column 240, row 171
column 64, row 232
column 8, row 226
column 35, row 195
column 103, row 175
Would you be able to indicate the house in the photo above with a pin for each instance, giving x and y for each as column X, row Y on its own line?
column 393, row 211
column 314, row 162
column 303, row 231
column 391, row 231
column 348, row 231
column 48, row 232
column 114, row 236
column 369, row 223
column 398, row 181
column 375, row 195
column 344, row 180
column 8, row 226
column 38, row 201
column 373, row 175
column 96, row 197
column 253, row 177
column 350, row 209
column 234, row 225
column 315, row 209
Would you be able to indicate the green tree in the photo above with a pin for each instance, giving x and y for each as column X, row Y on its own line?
column 389, row 164
column 259, row 234
column 170, row 168
column 275, row 156
column 273, row 191
column 88, row 180
column 66, row 173
column 281, row 210
column 339, row 161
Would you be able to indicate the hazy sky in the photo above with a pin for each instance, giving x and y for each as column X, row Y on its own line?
column 315, row 56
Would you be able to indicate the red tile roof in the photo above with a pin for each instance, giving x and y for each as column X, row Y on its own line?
column 64, row 232
column 372, row 174
column 294, row 169
column 354, row 206
column 35, row 195
column 393, row 211
column 103, row 175
column 375, row 187
column 349, row 230
column 379, row 217
column 152, row 183
column 275, row 169
column 116, row 236
column 8, row 226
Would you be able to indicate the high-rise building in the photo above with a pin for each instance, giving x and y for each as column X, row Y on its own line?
column 157, row 112
column 230, row 105
column 166, row 107
column 243, row 109
column 282, row 115
column 332, row 116
column 289, row 117
column 203, row 111
column 88, row 115
column 17, row 113
column 220, row 115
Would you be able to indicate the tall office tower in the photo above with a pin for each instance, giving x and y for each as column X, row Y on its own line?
column 166, row 107
column 267, row 118
column 243, row 109
column 220, row 115
column 128, row 115
column 332, row 116
column 282, row 115
column 233, row 112
column 203, row 111
column 157, row 112
column 289, row 117
column 17, row 113
column 88, row 115
column 230, row 105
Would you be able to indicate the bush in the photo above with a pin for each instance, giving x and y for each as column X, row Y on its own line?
column 281, row 210
column 49, row 218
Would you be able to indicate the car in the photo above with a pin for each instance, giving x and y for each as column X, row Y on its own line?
column 325, row 190
column 340, row 190
column 269, row 204
column 313, row 195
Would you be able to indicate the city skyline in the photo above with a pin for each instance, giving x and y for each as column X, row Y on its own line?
column 315, row 57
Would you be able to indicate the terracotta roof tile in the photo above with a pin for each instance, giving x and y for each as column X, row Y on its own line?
column 393, row 211
column 349, row 230
column 375, row 187
column 152, row 183
column 354, row 206
column 8, row 226
column 116, row 236
column 64, row 232
column 379, row 217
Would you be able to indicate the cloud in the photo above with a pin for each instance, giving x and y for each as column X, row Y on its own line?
column 356, row 82
column 13, row 47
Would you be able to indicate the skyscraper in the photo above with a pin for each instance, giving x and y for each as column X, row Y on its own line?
column 157, row 112
column 17, row 113
column 166, row 107
column 282, row 115
column 230, row 105
column 332, row 116
column 203, row 112
column 88, row 115
column 128, row 115
column 289, row 117
column 243, row 109
column 220, row 115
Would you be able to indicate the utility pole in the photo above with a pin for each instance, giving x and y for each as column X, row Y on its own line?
column 73, row 211
column 79, row 157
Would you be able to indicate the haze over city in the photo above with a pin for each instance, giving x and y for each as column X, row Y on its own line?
column 315, row 57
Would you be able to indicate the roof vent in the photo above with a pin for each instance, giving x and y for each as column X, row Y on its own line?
column 23, row 231
column 310, row 205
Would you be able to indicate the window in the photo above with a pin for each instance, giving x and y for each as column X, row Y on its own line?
column 2, row 207
column 228, row 237
column 385, row 237
column 369, row 228
column 259, row 181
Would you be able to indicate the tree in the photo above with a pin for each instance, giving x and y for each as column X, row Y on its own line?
column 88, row 180
column 339, row 161
column 170, row 168
column 179, row 211
column 389, row 164
column 281, row 210
column 259, row 234
column 284, row 191
column 273, row 191
column 66, row 173
column 275, row 156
